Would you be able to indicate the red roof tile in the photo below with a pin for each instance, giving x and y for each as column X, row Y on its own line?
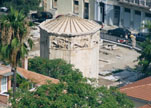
column 140, row 89
column 35, row 77
column 146, row 106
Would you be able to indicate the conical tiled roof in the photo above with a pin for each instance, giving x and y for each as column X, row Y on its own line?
column 70, row 25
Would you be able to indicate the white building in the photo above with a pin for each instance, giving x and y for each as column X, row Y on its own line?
column 82, row 8
column 74, row 40
column 124, row 13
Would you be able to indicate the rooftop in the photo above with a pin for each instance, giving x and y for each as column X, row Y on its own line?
column 140, row 89
column 5, row 70
column 69, row 25
column 146, row 106
column 39, row 79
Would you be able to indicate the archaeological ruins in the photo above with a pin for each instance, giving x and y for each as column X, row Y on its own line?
column 73, row 39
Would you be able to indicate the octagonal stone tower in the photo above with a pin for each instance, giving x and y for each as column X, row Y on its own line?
column 73, row 39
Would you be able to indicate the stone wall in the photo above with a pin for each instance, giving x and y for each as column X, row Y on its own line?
column 81, row 51
column 44, row 44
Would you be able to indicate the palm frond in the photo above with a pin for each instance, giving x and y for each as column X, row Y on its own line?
column 5, row 51
column 24, row 50
column 14, row 43
column 14, row 29
column 30, row 43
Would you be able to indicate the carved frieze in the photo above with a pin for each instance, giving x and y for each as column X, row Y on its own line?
column 73, row 43
column 59, row 43
column 81, row 43
column 95, row 39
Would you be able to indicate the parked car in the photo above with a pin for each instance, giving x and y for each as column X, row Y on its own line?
column 142, row 36
column 3, row 9
column 40, row 17
column 34, row 15
column 123, row 41
column 121, row 32
column 101, row 23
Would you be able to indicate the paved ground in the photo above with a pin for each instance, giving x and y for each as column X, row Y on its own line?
column 121, row 58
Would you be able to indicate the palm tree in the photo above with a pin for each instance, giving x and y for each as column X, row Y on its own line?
column 14, row 43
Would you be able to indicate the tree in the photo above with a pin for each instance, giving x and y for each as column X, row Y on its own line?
column 145, row 57
column 13, row 40
column 80, row 95
column 56, row 68
column 24, row 5
column 72, row 92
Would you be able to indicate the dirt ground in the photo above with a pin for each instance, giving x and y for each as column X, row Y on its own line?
column 119, row 58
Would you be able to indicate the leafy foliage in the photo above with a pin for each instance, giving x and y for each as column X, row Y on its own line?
column 23, row 83
column 14, row 29
column 80, row 95
column 24, row 5
column 74, row 93
column 56, row 68
column 112, row 98
column 13, row 40
column 145, row 57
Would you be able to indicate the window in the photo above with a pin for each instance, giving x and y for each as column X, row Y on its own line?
column 127, row 10
column 142, row 2
column 54, row 4
column 86, row 10
column 4, row 84
column 148, row 3
column 148, row 15
column 76, row 6
column 137, row 12
column 137, row 1
column 116, row 15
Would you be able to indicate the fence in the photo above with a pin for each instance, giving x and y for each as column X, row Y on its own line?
column 114, row 39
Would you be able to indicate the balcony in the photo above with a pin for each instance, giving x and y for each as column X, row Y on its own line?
column 138, row 3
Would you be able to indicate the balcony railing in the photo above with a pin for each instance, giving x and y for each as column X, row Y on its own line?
column 142, row 3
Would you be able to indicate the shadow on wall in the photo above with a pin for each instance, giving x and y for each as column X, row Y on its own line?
column 109, row 15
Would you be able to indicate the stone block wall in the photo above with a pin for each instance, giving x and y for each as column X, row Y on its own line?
column 81, row 51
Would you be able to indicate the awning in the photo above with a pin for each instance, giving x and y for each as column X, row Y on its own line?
column 8, row 74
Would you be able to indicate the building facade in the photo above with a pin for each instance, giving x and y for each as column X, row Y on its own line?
column 129, row 14
column 5, row 79
column 82, row 8
column 5, row 83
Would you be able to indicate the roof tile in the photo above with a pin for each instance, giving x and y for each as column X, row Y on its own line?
column 146, row 106
column 140, row 89
column 70, row 25
column 36, row 77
